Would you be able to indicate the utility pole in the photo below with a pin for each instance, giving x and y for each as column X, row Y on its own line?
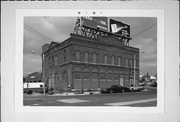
column 134, row 79
column 43, row 73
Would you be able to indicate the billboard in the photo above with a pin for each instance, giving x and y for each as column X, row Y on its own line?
column 119, row 28
column 100, row 23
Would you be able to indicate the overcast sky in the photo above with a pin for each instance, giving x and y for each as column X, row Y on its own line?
column 143, row 31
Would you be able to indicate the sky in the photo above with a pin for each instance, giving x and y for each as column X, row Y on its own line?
column 47, row 29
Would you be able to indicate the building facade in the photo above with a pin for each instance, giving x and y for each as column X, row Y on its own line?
column 87, row 63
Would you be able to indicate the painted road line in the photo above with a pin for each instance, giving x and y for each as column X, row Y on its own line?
column 35, row 104
column 130, row 102
column 72, row 100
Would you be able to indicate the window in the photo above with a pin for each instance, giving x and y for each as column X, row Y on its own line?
column 131, row 63
column 52, row 60
column 49, row 61
column 112, row 60
column 126, row 64
column 77, row 55
column 94, row 58
column 102, row 76
column 77, row 75
column 86, row 75
column 119, row 61
column 56, row 60
column 94, row 75
column 86, row 57
column 65, row 59
column 109, row 76
column 135, row 62
column 105, row 59
column 116, row 77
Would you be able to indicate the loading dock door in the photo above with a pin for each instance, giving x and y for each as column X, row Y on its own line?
column 122, row 81
column 78, row 84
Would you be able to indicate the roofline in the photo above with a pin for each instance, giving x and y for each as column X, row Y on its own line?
column 72, row 35
column 75, row 35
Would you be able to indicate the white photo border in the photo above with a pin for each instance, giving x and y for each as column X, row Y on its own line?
column 21, row 13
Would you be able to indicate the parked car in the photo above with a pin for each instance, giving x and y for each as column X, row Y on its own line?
column 142, row 84
column 136, row 88
column 116, row 89
column 154, row 84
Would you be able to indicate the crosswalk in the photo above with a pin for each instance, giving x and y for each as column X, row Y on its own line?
column 73, row 100
column 130, row 102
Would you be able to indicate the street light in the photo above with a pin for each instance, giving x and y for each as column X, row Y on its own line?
column 134, row 78
column 134, row 70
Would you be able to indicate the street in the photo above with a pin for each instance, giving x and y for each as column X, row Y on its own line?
column 134, row 99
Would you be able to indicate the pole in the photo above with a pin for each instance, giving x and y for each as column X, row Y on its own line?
column 134, row 70
column 43, row 77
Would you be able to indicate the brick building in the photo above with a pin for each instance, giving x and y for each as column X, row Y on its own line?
column 87, row 63
column 33, row 77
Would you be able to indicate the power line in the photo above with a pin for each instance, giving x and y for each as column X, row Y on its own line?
column 40, row 35
column 144, row 30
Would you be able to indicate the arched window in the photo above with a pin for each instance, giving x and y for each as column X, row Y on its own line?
column 77, row 75
column 102, row 76
column 86, row 57
column 105, row 59
column 112, row 60
column 64, row 76
column 86, row 75
column 56, row 60
column 119, row 61
column 49, row 61
column 116, row 76
column 94, row 75
column 52, row 60
column 94, row 58
column 131, row 63
column 109, row 76
column 77, row 55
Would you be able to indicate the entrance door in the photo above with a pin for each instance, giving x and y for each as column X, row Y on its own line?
column 64, row 80
column 122, row 81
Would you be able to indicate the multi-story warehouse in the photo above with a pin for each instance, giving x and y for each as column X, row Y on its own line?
column 89, row 63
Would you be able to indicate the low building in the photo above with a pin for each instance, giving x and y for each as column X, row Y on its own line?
column 87, row 63
column 33, row 83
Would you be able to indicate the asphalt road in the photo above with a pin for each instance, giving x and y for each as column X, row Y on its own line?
column 134, row 99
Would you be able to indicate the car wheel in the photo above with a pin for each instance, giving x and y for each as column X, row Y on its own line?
column 111, row 91
column 29, row 92
column 123, row 91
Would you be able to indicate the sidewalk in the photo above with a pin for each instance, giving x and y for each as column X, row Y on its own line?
column 64, row 94
column 74, row 94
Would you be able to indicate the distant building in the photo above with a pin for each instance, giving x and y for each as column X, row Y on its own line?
column 141, row 77
column 33, row 77
column 85, row 63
